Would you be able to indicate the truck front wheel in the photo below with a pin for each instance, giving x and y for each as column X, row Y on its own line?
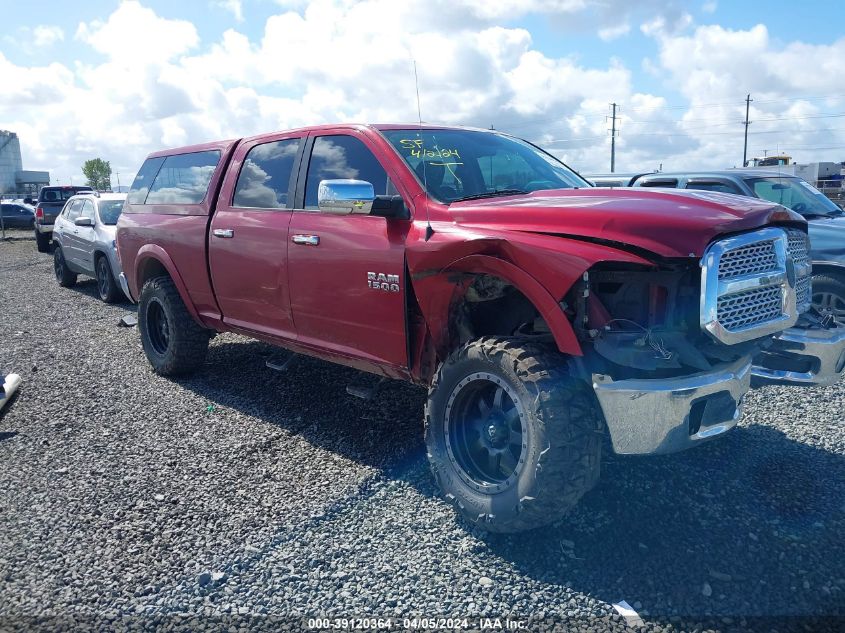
column 173, row 342
column 513, row 440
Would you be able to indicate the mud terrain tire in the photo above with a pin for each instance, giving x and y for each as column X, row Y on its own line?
column 559, row 424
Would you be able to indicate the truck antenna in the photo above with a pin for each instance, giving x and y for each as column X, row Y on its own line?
column 429, row 231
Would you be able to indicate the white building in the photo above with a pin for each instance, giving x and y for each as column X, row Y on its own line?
column 13, row 177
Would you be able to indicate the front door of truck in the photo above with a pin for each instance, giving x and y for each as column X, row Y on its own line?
column 248, row 238
column 347, row 272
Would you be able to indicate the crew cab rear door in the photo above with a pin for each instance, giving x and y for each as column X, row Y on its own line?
column 347, row 272
column 248, row 237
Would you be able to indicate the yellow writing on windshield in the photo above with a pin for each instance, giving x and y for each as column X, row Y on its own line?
column 416, row 150
column 435, row 153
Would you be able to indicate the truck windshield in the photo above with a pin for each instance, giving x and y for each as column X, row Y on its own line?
column 456, row 165
column 795, row 194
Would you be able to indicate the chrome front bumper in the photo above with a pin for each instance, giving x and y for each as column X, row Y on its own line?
column 802, row 356
column 124, row 285
column 665, row 415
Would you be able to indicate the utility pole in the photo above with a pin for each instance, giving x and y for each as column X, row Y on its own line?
column 747, row 123
column 117, row 173
column 613, row 140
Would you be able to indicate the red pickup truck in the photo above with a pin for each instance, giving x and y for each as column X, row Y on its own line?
column 544, row 315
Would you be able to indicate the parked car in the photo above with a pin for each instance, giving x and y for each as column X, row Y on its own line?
column 615, row 179
column 51, row 200
column 542, row 313
column 826, row 221
column 84, row 242
column 17, row 216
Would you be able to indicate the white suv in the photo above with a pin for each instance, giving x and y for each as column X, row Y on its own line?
column 84, row 235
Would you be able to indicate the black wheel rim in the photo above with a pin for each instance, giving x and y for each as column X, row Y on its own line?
column 830, row 303
column 158, row 327
column 102, row 277
column 59, row 264
column 485, row 435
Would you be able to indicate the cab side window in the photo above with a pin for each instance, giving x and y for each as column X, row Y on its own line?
column 343, row 157
column 264, row 180
column 141, row 185
column 183, row 178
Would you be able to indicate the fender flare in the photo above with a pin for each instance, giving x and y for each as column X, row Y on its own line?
column 156, row 253
column 533, row 290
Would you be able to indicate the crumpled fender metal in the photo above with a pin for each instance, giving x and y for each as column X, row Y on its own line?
column 542, row 267
column 155, row 252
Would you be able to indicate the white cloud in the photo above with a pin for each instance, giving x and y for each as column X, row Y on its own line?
column 715, row 67
column 235, row 7
column 134, row 33
column 35, row 86
column 612, row 32
column 666, row 25
column 710, row 7
column 45, row 35
column 154, row 84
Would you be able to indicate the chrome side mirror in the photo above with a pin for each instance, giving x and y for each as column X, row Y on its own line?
column 84, row 222
column 343, row 197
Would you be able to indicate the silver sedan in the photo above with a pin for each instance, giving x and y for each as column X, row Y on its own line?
column 84, row 235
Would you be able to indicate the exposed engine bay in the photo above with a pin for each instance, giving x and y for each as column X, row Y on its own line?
column 633, row 319
column 630, row 320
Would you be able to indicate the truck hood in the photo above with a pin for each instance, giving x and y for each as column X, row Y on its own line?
column 669, row 222
column 827, row 239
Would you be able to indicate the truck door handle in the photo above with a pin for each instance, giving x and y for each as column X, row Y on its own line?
column 223, row 233
column 307, row 240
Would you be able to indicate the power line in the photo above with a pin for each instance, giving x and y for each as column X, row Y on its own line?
column 692, row 135
column 599, row 113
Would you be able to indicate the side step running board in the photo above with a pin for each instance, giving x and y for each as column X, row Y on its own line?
column 281, row 364
column 365, row 393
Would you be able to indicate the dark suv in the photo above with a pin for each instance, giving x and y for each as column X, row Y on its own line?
column 51, row 200
column 825, row 220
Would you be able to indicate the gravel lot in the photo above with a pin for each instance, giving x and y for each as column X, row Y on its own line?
column 244, row 497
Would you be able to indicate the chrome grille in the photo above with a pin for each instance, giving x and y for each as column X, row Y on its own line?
column 748, row 289
column 749, row 308
column 748, row 260
column 798, row 246
column 803, row 295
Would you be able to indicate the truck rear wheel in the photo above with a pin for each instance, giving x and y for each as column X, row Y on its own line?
column 173, row 342
column 42, row 242
column 513, row 440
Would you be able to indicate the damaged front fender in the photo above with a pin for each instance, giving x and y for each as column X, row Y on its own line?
column 542, row 267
